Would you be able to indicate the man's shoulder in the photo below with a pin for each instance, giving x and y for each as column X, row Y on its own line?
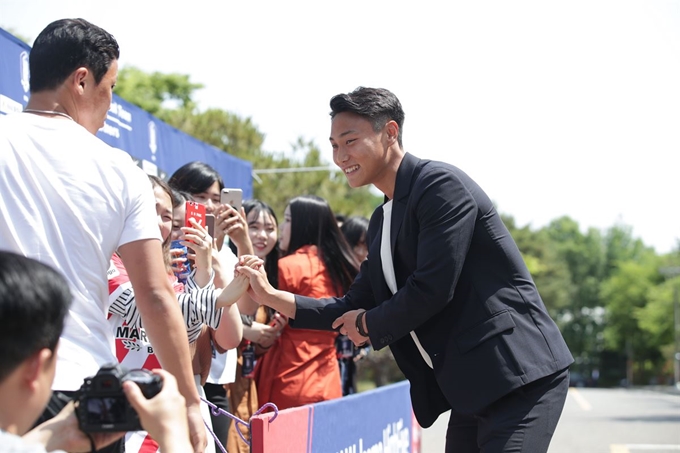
column 429, row 170
column 10, row 443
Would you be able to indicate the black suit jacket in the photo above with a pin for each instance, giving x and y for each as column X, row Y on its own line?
column 462, row 286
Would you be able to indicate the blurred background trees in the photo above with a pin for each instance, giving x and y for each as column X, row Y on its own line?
column 607, row 291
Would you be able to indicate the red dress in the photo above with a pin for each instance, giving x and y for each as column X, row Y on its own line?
column 302, row 366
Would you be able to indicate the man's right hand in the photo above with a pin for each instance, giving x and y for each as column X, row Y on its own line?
column 259, row 284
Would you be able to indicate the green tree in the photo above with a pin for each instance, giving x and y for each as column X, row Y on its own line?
column 170, row 98
column 626, row 294
column 157, row 93
column 549, row 273
column 582, row 319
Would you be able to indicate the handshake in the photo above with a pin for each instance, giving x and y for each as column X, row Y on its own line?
column 241, row 282
column 351, row 323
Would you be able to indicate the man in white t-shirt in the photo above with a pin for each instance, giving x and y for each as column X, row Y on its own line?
column 69, row 200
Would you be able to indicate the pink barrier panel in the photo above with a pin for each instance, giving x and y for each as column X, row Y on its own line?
column 289, row 433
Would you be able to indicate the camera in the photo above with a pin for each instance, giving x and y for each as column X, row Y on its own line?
column 103, row 407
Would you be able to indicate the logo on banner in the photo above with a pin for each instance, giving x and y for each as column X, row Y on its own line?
column 153, row 146
column 23, row 68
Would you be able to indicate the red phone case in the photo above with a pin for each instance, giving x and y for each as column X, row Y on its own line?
column 196, row 211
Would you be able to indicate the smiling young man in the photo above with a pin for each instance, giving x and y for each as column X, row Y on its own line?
column 445, row 287
column 69, row 200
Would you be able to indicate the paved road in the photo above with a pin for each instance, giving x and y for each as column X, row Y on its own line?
column 603, row 421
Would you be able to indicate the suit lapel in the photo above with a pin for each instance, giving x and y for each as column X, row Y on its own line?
column 398, row 210
column 401, row 194
column 380, row 289
column 402, row 191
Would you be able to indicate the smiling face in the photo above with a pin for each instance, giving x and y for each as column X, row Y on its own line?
column 262, row 232
column 178, row 222
column 163, row 211
column 364, row 155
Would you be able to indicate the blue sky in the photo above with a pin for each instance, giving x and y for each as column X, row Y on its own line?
column 555, row 108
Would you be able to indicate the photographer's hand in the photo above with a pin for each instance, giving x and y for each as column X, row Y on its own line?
column 164, row 416
column 62, row 433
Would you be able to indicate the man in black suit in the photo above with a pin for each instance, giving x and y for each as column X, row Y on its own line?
column 445, row 287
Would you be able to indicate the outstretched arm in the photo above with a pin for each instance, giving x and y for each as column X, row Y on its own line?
column 265, row 294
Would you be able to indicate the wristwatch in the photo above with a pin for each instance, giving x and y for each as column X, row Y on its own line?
column 360, row 324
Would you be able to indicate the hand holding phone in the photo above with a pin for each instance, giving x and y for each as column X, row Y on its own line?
column 232, row 197
column 194, row 211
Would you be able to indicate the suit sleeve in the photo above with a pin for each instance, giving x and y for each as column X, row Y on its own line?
column 445, row 213
column 320, row 313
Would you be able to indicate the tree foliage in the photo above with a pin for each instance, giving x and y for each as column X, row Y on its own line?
column 170, row 98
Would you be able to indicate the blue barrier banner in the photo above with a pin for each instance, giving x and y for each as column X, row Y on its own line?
column 379, row 421
column 156, row 147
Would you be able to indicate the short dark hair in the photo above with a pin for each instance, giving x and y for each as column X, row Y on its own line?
column 195, row 177
column 377, row 105
column 34, row 300
column 66, row 45
column 313, row 223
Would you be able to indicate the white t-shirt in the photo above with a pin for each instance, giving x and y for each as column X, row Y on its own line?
column 223, row 366
column 10, row 443
column 69, row 200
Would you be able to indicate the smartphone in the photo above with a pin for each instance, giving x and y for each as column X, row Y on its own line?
column 232, row 197
column 196, row 211
column 182, row 276
column 210, row 224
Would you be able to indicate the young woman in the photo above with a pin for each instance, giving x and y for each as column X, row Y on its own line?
column 204, row 185
column 302, row 366
column 354, row 230
column 200, row 302
column 261, row 326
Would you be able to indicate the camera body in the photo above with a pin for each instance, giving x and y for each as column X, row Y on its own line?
column 102, row 405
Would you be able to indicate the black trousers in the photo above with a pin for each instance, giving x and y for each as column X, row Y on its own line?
column 57, row 401
column 216, row 394
column 522, row 421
